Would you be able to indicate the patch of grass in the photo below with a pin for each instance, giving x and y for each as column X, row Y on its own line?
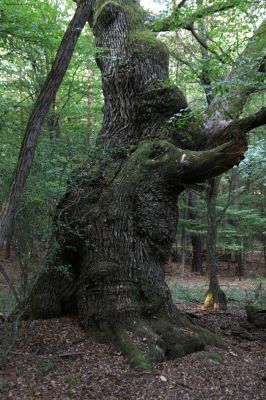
column 187, row 294
column 44, row 366
column 248, row 291
column 253, row 291
column 236, row 294
column 211, row 355
column 73, row 385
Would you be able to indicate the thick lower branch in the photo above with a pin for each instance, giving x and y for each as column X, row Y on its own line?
column 187, row 167
column 251, row 122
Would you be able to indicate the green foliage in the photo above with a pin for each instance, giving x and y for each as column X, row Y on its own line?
column 241, row 219
column 198, row 71
column 29, row 39
column 182, row 294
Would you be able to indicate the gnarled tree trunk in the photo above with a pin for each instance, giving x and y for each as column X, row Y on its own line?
column 116, row 224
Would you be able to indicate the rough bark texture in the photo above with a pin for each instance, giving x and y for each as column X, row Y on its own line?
column 117, row 222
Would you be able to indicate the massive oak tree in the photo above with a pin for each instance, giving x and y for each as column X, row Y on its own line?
column 114, row 227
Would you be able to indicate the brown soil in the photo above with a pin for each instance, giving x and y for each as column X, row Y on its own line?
column 55, row 359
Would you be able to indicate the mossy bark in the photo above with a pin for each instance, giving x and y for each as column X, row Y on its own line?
column 116, row 224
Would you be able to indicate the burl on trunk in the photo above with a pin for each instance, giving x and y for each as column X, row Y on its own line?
column 115, row 226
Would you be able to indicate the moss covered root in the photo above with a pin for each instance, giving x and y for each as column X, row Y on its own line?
column 209, row 338
column 145, row 343
column 137, row 357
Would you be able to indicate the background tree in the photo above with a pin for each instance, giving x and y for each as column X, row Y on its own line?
column 206, row 52
column 33, row 39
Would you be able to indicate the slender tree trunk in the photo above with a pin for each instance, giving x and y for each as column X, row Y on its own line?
column 90, row 75
column 196, row 239
column 205, row 76
column 215, row 297
column 21, row 93
column 40, row 110
column 264, row 251
column 183, row 251
column 234, row 194
column 243, row 258
column 184, row 236
column 197, row 254
column 53, row 121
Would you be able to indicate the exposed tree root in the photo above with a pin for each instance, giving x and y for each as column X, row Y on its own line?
column 145, row 343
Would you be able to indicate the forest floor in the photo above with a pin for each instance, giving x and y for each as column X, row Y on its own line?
column 55, row 359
